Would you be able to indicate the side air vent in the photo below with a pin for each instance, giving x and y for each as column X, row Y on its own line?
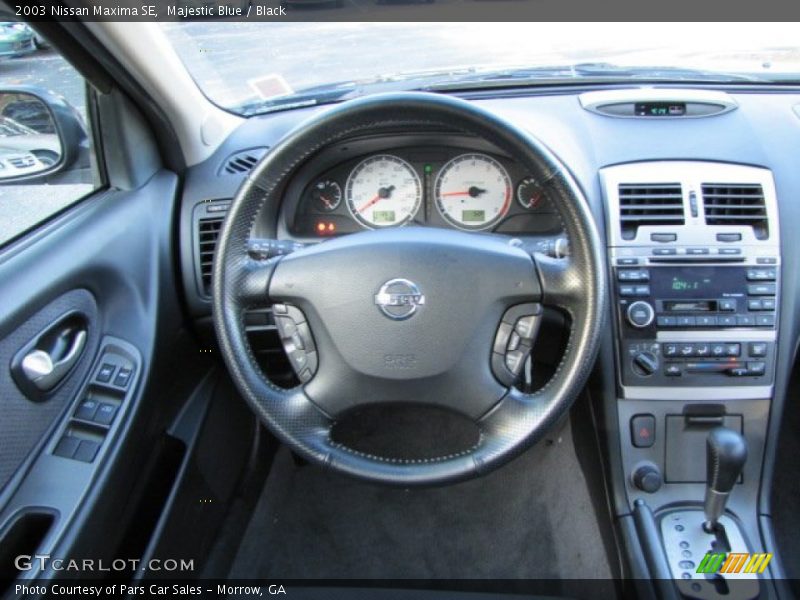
column 649, row 204
column 207, row 235
column 742, row 205
column 241, row 162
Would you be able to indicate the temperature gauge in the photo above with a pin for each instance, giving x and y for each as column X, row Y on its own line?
column 530, row 194
column 327, row 195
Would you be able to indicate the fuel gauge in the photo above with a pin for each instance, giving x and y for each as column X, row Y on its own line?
column 530, row 194
column 327, row 195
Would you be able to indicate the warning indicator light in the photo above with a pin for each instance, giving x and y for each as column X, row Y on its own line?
column 325, row 228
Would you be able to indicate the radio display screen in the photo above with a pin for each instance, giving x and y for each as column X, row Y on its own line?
column 695, row 288
column 690, row 283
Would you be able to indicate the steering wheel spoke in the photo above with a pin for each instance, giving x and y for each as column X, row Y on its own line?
column 563, row 284
column 252, row 282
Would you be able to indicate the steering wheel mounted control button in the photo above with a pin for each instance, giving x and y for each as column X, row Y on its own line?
column 513, row 341
column 298, row 343
column 515, row 360
column 526, row 327
column 502, row 337
column 286, row 327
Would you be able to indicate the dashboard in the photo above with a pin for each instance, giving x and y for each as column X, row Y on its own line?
column 697, row 212
column 436, row 181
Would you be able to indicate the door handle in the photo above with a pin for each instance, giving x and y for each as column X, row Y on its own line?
column 44, row 372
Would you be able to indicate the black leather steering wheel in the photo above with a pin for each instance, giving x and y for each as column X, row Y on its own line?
column 465, row 294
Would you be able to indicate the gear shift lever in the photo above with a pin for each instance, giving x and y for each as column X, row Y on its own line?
column 726, row 453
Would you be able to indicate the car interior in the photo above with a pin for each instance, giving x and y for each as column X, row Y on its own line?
column 462, row 341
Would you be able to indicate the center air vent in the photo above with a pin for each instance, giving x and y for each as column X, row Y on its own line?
column 241, row 162
column 649, row 204
column 738, row 204
column 207, row 235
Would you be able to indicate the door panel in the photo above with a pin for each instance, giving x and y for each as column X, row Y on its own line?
column 109, row 259
column 24, row 421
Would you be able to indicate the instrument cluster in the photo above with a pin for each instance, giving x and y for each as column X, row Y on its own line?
column 451, row 187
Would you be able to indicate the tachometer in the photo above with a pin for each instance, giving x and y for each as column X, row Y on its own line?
column 383, row 191
column 473, row 191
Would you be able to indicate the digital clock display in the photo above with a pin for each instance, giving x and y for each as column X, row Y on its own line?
column 660, row 109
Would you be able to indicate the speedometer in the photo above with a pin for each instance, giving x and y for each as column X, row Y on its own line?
column 382, row 191
column 473, row 191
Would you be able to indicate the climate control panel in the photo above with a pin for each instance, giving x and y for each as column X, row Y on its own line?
column 694, row 363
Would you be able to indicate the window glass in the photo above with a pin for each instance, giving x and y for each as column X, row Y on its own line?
column 46, row 156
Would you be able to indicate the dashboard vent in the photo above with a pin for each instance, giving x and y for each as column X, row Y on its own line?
column 649, row 204
column 207, row 235
column 242, row 162
column 736, row 204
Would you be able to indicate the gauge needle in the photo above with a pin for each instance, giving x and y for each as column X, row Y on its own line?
column 366, row 205
column 326, row 201
column 384, row 192
column 473, row 191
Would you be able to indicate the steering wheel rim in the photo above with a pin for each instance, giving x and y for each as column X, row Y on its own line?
column 576, row 285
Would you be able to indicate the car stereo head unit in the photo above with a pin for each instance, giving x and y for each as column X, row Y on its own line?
column 696, row 266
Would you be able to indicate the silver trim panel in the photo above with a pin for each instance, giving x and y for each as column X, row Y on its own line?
column 691, row 176
column 697, row 394
column 718, row 335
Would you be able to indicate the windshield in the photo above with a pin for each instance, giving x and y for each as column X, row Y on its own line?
column 255, row 67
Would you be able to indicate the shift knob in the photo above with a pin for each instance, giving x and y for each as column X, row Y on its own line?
column 726, row 453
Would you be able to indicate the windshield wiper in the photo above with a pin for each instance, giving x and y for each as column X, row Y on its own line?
column 306, row 97
column 589, row 72
column 344, row 90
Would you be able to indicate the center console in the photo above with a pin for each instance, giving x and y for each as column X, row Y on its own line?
column 695, row 260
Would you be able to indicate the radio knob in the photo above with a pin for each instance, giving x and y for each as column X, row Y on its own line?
column 640, row 314
column 645, row 363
